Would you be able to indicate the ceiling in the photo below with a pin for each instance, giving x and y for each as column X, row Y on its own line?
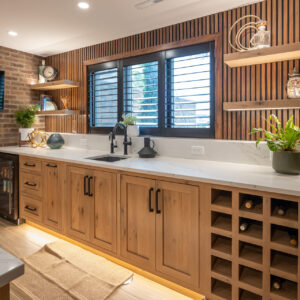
column 47, row 27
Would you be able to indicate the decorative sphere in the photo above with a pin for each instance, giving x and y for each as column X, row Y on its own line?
column 55, row 141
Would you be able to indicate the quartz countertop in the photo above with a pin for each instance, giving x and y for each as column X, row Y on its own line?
column 10, row 268
column 255, row 177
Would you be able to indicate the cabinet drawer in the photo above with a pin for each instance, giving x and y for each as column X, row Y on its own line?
column 31, row 208
column 30, row 164
column 30, row 184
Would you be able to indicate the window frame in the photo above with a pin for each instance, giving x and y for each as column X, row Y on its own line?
column 217, row 76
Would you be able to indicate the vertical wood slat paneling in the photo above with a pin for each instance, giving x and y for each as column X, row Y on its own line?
column 253, row 83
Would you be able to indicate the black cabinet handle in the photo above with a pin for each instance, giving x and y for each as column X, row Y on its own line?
column 150, row 205
column 30, row 208
column 51, row 165
column 89, row 187
column 157, row 210
column 29, row 165
column 30, row 184
column 84, row 185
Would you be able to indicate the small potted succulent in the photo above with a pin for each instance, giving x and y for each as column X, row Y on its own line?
column 283, row 142
column 26, row 118
column 132, row 129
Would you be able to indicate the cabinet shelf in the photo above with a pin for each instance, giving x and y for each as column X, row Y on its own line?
column 288, row 290
column 262, row 105
column 251, row 252
column 251, row 277
column 63, row 112
column 55, row 85
column 262, row 56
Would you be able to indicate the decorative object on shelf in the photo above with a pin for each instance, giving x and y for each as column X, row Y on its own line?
column 25, row 118
column 283, row 143
column 47, row 104
column 37, row 138
column 65, row 100
column 261, row 38
column 55, row 141
column 147, row 151
column 293, row 85
column 132, row 129
column 42, row 79
column 50, row 73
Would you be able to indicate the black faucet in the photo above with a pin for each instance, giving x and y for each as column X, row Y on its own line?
column 112, row 135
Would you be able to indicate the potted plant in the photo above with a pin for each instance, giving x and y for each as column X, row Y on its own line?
column 132, row 128
column 282, row 142
column 25, row 118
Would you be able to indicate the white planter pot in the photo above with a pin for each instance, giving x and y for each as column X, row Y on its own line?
column 24, row 133
column 133, row 130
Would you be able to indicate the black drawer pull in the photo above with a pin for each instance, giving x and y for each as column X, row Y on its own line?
column 150, row 204
column 29, row 165
column 89, row 187
column 84, row 186
column 51, row 165
column 157, row 210
column 30, row 184
column 30, row 208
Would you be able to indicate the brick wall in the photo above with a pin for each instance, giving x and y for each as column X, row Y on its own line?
column 20, row 71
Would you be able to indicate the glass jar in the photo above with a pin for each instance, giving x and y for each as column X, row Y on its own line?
column 261, row 38
column 293, row 85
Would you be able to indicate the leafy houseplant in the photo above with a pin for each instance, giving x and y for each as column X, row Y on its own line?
column 132, row 128
column 26, row 118
column 282, row 142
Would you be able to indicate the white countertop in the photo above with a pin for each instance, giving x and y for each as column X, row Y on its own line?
column 10, row 268
column 262, row 178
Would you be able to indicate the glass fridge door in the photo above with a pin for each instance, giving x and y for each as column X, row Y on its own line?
column 6, row 187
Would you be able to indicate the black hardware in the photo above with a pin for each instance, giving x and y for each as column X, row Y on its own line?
column 30, row 208
column 112, row 144
column 89, row 187
column 85, row 192
column 51, row 165
column 157, row 210
column 150, row 208
column 30, row 184
column 29, row 165
column 126, row 143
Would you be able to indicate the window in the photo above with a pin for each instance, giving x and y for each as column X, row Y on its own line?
column 171, row 93
column 1, row 90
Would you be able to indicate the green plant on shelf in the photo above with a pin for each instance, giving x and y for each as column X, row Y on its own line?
column 282, row 138
column 25, row 117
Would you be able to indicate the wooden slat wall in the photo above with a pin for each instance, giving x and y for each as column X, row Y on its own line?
column 262, row 82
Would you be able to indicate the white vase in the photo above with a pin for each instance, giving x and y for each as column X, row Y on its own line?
column 133, row 130
column 24, row 133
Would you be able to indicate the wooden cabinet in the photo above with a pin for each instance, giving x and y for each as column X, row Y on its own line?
column 104, row 210
column 138, row 221
column 53, row 186
column 78, row 203
column 160, row 227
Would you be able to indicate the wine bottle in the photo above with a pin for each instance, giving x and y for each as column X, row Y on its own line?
column 249, row 204
column 293, row 239
column 280, row 210
column 244, row 226
column 277, row 283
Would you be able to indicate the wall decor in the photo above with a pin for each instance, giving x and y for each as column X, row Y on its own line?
column 293, row 85
column 47, row 104
column 37, row 138
column 2, row 81
column 50, row 73
column 42, row 79
column 65, row 100
column 259, row 39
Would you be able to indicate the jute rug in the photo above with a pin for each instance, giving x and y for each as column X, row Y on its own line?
column 63, row 271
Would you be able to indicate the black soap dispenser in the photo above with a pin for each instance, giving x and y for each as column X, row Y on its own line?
column 147, row 151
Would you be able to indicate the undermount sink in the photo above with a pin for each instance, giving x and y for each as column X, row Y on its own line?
column 107, row 158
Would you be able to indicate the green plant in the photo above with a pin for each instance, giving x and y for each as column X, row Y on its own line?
column 26, row 117
column 128, row 119
column 284, row 139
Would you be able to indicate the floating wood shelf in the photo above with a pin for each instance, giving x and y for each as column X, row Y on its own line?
column 63, row 112
column 262, row 105
column 55, row 85
column 262, row 56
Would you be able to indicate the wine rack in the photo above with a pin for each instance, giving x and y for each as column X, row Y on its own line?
column 253, row 249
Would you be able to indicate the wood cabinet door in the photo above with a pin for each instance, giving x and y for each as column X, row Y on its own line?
column 78, row 204
column 177, row 231
column 52, row 194
column 104, row 210
column 138, row 221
